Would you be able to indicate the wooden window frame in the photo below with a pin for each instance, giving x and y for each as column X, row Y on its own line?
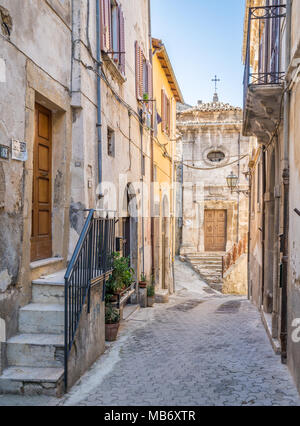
column 144, row 78
column 113, row 33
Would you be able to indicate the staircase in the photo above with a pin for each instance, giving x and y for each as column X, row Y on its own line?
column 35, row 356
column 208, row 266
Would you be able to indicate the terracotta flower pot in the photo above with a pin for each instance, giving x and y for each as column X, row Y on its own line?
column 151, row 301
column 142, row 284
column 111, row 332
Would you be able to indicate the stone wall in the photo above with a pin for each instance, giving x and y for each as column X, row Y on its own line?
column 38, row 36
column 294, row 219
column 90, row 337
column 236, row 278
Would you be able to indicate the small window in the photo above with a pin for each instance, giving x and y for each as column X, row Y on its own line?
column 216, row 156
column 110, row 142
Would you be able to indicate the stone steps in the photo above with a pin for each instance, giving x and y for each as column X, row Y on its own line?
column 49, row 289
column 35, row 356
column 36, row 350
column 209, row 266
column 32, row 381
column 38, row 318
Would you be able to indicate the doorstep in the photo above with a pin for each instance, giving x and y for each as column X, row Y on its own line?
column 45, row 262
column 46, row 267
column 267, row 322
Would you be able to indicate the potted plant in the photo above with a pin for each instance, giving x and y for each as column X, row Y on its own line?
column 121, row 278
column 112, row 323
column 143, row 281
column 150, row 295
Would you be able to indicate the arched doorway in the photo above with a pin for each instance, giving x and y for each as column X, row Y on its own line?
column 130, row 227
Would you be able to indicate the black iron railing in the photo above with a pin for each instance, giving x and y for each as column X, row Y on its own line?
column 263, row 60
column 91, row 262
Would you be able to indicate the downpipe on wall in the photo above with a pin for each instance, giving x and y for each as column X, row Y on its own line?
column 99, row 104
column 286, row 188
column 249, row 235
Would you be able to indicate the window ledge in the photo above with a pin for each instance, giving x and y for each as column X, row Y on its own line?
column 113, row 68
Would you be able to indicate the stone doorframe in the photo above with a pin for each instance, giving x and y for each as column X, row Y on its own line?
column 231, row 208
column 272, row 294
column 55, row 97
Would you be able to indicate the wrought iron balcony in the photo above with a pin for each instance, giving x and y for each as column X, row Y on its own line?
column 264, row 75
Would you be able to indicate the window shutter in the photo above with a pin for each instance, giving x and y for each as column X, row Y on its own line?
column 165, row 113
column 169, row 116
column 163, row 121
column 139, row 71
column 155, row 122
column 150, row 87
column 141, row 83
column 109, row 29
column 105, row 6
column 122, row 40
column 103, row 24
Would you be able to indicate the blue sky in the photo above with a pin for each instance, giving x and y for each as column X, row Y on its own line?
column 203, row 38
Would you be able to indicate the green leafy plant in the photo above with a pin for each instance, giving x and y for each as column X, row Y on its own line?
column 143, row 278
column 112, row 315
column 122, row 275
column 146, row 96
column 151, row 291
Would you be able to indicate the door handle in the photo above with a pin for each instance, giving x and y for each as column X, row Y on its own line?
column 44, row 174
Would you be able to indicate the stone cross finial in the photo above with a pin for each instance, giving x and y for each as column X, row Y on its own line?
column 216, row 80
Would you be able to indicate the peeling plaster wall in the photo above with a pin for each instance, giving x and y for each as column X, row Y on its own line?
column 39, row 35
column 294, row 236
column 125, row 166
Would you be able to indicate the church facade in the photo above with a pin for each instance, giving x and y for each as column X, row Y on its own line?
column 215, row 219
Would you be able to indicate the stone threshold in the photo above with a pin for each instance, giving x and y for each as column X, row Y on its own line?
column 267, row 322
column 45, row 262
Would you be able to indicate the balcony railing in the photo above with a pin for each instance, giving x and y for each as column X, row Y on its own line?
column 263, row 55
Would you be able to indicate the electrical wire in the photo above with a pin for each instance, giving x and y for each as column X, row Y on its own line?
column 217, row 167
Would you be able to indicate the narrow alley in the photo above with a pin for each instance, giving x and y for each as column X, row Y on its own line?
column 149, row 203
column 201, row 349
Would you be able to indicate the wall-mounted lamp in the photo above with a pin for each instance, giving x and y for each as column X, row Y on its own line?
column 232, row 183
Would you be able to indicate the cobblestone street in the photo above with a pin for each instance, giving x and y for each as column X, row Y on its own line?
column 200, row 349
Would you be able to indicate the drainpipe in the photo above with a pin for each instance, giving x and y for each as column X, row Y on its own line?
column 239, row 201
column 286, row 176
column 152, row 150
column 249, row 234
column 264, row 180
column 143, row 181
column 99, row 117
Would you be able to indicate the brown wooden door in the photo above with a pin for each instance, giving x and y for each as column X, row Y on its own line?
column 41, row 240
column 215, row 230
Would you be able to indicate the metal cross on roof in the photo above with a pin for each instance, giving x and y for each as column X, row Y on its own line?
column 216, row 80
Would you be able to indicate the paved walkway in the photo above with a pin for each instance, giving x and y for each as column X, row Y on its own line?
column 202, row 348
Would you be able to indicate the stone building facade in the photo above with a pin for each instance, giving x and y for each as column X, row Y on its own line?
column 271, row 54
column 166, row 93
column 214, row 218
column 73, row 75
